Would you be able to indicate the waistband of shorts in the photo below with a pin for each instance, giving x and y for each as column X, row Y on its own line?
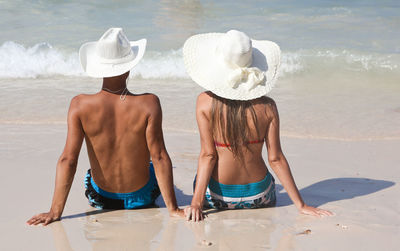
column 245, row 190
column 146, row 189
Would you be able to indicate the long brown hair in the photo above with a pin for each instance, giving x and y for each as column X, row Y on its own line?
column 232, row 125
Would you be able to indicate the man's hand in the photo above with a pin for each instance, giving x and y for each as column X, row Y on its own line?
column 194, row 213
column 177, row 213
column 44, row 218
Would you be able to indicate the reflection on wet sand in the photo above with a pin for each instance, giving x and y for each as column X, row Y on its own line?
column 61, row 241
column 123, row 229
column 235, row 229
column 153, row 229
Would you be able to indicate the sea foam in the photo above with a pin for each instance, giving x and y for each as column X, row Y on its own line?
column 43, row 60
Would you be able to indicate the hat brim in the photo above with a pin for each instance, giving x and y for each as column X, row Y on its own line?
column 96, row 69
column 206, row 70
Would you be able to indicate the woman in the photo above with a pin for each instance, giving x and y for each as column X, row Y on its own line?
column 235, row 118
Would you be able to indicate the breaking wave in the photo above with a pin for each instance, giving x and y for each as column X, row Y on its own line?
column 43, row 60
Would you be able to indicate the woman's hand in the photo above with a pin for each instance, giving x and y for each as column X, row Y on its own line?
column 194, row 213
column 43, row 218
column 308, row 210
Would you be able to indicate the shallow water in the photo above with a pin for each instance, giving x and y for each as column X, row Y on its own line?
column 340, row 108
column 339, row 76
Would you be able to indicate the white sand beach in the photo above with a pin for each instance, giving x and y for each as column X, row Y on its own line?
column 356, row 179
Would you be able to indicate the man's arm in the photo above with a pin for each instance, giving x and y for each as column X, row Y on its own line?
column 66, row 167
column 161, row 161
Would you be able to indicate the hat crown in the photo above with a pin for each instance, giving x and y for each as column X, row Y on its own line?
column 235, row 48
column 113, row 45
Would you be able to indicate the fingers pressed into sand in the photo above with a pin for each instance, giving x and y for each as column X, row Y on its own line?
column 47, row 221
column 29, row 222
column 33, row 219
column 188, row 213
column 193, row 214
column 37, row 221
column 327, row 212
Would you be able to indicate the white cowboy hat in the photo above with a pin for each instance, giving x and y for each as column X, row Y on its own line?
column 231, row 65
column 112, row 55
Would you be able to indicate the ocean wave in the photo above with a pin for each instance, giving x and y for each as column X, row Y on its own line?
column 43, row 60
column 338, row 60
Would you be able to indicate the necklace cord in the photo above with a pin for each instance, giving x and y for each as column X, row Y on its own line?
column 124, row 92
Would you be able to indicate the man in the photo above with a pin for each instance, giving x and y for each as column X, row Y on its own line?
column 121, row 130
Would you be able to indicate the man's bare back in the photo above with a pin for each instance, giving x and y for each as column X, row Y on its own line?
column 122, row 132
column 115, row 136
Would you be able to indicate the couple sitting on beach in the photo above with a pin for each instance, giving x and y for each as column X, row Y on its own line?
column 129, row 162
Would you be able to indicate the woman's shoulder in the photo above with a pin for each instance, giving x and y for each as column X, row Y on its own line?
column 204, row 100
column 266, row 105
column 205, row 96
column 267, row 102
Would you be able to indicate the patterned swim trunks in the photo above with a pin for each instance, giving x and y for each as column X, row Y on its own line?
column 141, row 198
column 252, row 195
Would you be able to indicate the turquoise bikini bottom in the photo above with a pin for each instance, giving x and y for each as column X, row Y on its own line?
column 252, row 195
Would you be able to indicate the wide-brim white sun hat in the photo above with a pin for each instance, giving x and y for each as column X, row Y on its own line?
column 231, row 65
column 112, row 55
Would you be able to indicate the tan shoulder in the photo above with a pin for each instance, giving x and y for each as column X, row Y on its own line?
column 204, row 101
column 271, row 109
column 76, row 106
column 149, row 103
column 80, row 101
column 82, row 98
column 150, row 99
column 77, row 101
column 268, row 101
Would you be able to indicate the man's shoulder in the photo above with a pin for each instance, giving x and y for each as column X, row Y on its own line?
column 81, row 101
column 149, row 97
column 149, row 101
column 80, row 98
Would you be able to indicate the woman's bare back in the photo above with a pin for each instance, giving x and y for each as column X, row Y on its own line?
column 229, row 169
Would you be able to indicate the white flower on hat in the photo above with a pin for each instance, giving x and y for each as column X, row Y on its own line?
column 231, row 65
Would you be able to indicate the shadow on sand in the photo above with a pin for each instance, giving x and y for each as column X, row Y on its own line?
column 183, row 200
column 316, row 194
column 337, row 189
column 88, row 213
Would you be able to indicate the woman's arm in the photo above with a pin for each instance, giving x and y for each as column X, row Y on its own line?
column 66, row 167
column 280, row 166
column 207, row 157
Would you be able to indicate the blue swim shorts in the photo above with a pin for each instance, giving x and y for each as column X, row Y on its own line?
column 141, row 198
